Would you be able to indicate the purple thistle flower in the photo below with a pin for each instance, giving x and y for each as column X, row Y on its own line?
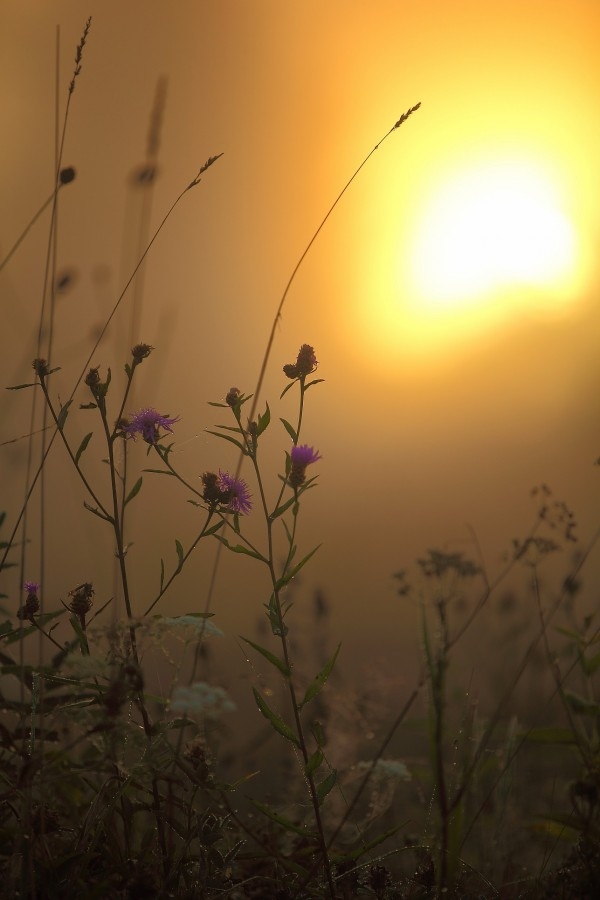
column 235, row 493
column 304, row 455
column 31, row 587
column 147, row 422
column 301, row 457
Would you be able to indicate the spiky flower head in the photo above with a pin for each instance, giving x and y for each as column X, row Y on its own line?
column 235, row 493
column 31, row 587
column 301, row 457
column 226, row 490
column 147, row 422
column 306, row 362
column 141, row 351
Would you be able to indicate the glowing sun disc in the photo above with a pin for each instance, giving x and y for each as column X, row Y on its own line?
column 494, row 228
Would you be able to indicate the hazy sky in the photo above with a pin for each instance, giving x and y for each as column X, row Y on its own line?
column 452, row 298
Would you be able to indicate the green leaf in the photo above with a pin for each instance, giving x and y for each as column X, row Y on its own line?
column 81, row 635
column 281, row 509
column 88, row 406
column 159, row 471
column 580, row 705
column 314, row 381
column 318, row 682
column 96, row 512
column 278, row 724
column 179, row 549
column 62, row 416
column 285, row 579
column 319, row 734
column 227, row 437
column 549, row 735
column 314, row 762
column 326, row 785
column 263, row 421
column 83, row 445
column 239, row 548
column 270, row 657
column 134, row 491
column 290, row 430
column 287, row 388
column 281, row 820
column 19, row 387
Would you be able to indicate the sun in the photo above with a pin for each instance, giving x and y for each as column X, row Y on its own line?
column 492, row 230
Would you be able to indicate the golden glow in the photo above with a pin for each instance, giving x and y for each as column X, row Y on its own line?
column 495, row 227
column 490, row 245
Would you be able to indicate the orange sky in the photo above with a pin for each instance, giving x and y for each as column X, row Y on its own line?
column 430, row 418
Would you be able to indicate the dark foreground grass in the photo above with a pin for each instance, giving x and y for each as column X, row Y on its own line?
column 113, row 786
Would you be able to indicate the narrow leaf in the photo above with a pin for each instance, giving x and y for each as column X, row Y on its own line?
column 83, row 445
column 281, row 509
column 62, row 416
column 270, row 657
column 551, row 735
column 319, row 734
column 19, row 387
column 227, row 437
column 318, row 682
column 263, row 421
column 290, row 430
column 162, row 574
column 281, row 820
column 179, row 549
column 326, row 785
column 134, row 491
column 285, row 579
column 314, row 762
column 239, row 548
column 278, row 724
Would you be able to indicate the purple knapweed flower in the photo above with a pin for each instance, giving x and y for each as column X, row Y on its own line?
column 301, row 457
column 32, row 605
column 235, row 493
column 147, row 422
column 31, row 587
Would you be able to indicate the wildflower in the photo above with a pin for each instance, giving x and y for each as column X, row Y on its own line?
column 92, row 379
column 306, row 362
column 227, row 490
column 81, row 599
column 233, row 396
column 140, row 352
column 41, row 367
column 147, row 422
column 301, row 457
column 32, row 604
column 235, row 493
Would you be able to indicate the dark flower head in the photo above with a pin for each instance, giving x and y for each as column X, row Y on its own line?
column 233, row 396
column 81, row 598
column 300, row 458
column 223, row 489
column 66, row 175
column 235, row 493
column 306, row 362
column 147, row 422
column 141, row 351
column 92, row 378
column 41, row 367
column 32, row 604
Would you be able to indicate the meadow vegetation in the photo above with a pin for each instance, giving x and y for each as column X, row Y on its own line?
column 112, row 787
